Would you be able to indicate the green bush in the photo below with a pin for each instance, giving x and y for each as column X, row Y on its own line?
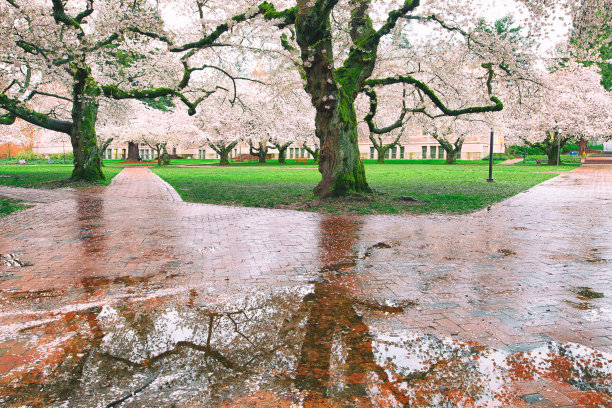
column 60, row 157
column 496, row 157
column 565, row 159
column 519, row 150
column 29, row 155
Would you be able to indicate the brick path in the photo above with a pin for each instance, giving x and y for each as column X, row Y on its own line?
column 223, row 306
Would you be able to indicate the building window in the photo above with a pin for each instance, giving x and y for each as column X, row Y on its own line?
column 303, row 152
column 394, row 152
column 432, row 152
column 402, row 151
column 372, row 153
column 387, row 154
column 424, row 148
column 440, row 152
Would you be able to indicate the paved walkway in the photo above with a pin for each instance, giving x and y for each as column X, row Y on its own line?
column 199, row 305
column 512, row 161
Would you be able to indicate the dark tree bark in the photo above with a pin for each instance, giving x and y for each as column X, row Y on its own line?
column 551, row 145
column 87, row 155
column 315, row 153
column 282, row 150
column 333, row 92
column 259, row 151
column 133, row 152
column 164, row 158
column 103, row 145
column 382, row 148
column 451, row 149
column 223, row 149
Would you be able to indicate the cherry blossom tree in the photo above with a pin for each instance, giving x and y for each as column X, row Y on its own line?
column 451, row 133
column 339, row 57
column 87, row 50
column 226, row 130
column 571, row 104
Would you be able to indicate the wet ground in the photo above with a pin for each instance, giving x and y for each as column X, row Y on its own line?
column 126, row 296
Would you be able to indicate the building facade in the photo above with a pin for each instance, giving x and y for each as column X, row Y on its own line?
column 416, row 147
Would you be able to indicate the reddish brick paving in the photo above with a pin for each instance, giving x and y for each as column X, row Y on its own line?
column 127, row 287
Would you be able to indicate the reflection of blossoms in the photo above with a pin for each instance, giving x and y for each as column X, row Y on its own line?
column 432, row 370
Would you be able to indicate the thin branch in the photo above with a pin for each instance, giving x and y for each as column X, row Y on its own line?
column 16, row 108
column 34, row 93
column 85, row 13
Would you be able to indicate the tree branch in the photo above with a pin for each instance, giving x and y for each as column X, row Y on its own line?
column 498, row 105
column 34, row 93
column 85, row 13
column 98, row 45
column 369, row 118
column 16, row 108
column 409, row 5
column 7, row 119
column 60, row 16
column 285, row 17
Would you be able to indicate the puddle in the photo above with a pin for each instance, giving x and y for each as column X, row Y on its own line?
column 314, row 344
column 327, row 342
column 11, row 261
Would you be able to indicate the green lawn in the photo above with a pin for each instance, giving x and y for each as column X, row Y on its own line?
column 36, row 176
column 9, row 206
column 439, row 188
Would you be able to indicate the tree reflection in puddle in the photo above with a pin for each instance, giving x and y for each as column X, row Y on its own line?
column 325, row 343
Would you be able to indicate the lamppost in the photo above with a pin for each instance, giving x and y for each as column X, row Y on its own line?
column 490, row 179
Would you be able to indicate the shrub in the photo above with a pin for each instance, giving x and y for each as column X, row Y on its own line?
column 60, row 157
column 496, row 156
column 29, row 155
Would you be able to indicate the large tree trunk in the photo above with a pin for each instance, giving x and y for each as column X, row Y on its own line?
column 224, row 158
column 282, row 151
column 223, row 151
column 87, row 156
column 260, row 151
column 333, row 92
column 133, row 152
column 552, row 153
column 551, row 145
column 164, row 157
column 341, row 167
column 381, row 154
column 452, row 150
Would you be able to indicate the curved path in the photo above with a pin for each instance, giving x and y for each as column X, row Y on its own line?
column 224, row 306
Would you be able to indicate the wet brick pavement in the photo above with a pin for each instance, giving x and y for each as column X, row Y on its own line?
column 127, row 288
